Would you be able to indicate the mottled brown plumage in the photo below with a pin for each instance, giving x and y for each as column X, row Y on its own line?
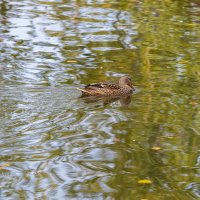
column 124, row 87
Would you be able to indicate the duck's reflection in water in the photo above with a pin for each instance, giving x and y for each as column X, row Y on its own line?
column 124, row 100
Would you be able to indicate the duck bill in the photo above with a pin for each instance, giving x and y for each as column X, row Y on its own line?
column 131, row 85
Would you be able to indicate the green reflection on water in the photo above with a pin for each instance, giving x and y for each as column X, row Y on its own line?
column 56, row 145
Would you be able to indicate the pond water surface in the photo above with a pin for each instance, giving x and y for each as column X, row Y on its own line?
column 55, row 145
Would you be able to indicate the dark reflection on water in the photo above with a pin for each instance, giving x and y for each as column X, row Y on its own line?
column 55, row 145
column 124, row 100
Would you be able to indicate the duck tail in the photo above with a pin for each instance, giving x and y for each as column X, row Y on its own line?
column 84, row 91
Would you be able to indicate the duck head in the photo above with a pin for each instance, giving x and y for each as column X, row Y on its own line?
column 126, row 81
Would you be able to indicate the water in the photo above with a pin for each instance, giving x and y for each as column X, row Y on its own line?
column 55, row 145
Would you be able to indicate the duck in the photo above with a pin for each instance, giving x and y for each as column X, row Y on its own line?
column 123, row 87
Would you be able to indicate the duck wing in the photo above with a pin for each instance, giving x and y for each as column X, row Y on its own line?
column 103, row 86
column 99, row 88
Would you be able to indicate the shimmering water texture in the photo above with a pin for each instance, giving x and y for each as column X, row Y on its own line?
column 55, row 145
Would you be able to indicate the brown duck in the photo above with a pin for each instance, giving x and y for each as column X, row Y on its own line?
column 124, row 87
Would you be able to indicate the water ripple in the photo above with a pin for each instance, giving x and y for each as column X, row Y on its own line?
column 55, row 145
